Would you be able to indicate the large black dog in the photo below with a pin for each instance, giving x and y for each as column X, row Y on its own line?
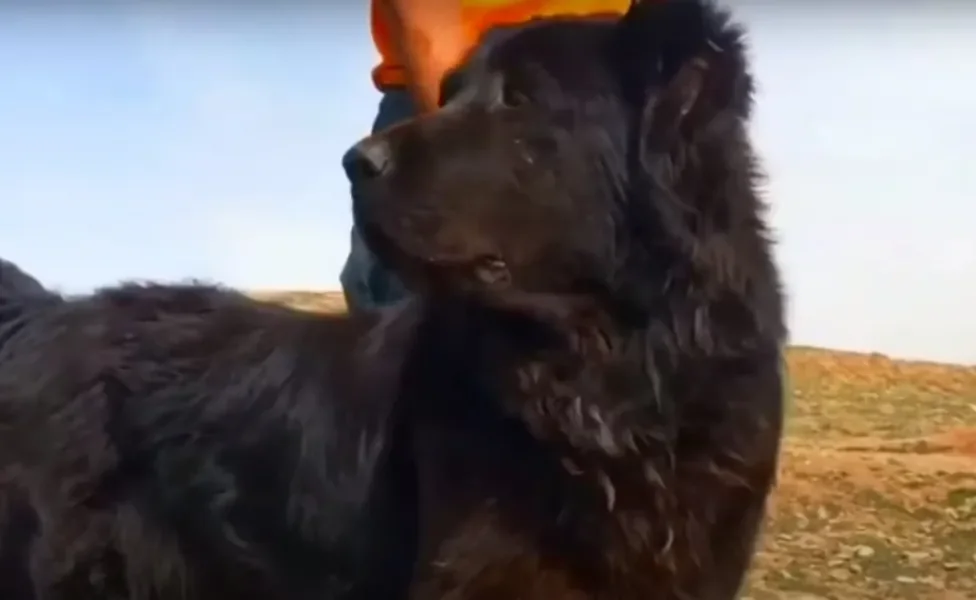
column 597, row 385
column 582, row 403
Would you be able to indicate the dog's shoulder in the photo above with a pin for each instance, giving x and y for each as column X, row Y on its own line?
column 157, row 350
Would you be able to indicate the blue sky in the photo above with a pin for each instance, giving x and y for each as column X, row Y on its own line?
column 144, row 142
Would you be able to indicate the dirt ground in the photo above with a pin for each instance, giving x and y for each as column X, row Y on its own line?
column 877, row 491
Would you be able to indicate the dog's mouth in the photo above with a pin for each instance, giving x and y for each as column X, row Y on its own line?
column 419, row 267
column 478, row 275
column 491, row 271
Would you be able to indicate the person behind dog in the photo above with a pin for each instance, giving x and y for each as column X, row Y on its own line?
column 418, row 43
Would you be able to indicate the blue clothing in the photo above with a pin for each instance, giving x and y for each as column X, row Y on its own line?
column 365, row 283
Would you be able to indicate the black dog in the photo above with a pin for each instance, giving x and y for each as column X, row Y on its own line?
column 584, row 402
column 596, row 388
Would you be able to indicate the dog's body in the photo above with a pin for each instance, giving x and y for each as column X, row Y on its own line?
column 583, row 403
column 188, row 442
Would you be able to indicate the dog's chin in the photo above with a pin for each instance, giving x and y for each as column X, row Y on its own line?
column 479, row 278
column 424, row 269
column 483, row 275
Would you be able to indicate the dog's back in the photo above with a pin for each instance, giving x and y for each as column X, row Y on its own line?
column 19, row 292
column 189, row 442
column 17, row 284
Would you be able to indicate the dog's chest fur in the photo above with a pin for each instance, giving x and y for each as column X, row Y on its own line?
column 504, row 513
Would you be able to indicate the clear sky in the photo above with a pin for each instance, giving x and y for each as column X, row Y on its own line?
column 146, row 142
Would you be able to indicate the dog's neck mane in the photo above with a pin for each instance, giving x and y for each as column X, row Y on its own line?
column 594, row 386
column 594, row 400
column 593, row 391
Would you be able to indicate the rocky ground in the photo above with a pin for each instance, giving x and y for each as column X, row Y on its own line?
column 877, row 495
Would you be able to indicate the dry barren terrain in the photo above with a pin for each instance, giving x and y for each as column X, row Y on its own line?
column 877, row 494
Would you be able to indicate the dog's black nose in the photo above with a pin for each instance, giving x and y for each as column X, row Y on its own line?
column 368, row 159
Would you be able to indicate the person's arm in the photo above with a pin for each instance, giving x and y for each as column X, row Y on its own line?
column 429, row 37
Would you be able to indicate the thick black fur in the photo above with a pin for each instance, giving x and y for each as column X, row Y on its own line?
column 18, row 291
column 16, row 283
column 187, row 442
column 596, row 386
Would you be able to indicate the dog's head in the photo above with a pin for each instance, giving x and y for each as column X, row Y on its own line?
column 569, row 163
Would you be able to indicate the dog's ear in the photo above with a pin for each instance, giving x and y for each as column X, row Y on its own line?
column 682, row 64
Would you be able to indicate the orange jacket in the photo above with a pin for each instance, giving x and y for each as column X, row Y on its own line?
column 480, row 15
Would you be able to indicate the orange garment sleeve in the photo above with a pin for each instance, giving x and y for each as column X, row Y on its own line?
column 479, row 16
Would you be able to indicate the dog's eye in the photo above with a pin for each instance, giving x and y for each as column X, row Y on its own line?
column 512, row 98
column 508, row 96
